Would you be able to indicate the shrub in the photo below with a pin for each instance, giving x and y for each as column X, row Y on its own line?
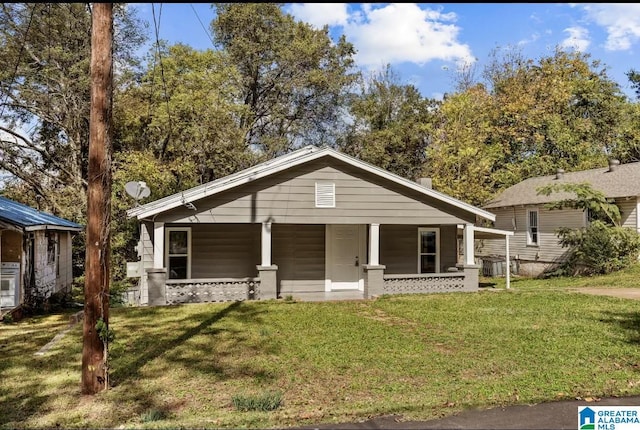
column 268, row 401
column 599, row 248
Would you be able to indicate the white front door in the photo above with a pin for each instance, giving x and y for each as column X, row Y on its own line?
column 345, row 259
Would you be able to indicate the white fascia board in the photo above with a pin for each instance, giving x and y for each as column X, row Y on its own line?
column 493, row 231
column 415, row 186
column 175, row 200
column 285, row 162
column 51, row 227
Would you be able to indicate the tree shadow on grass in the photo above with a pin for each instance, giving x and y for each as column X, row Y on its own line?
column 168, row 341
column 628, row 321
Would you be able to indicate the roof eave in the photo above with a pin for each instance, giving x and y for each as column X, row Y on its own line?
column 250, row 175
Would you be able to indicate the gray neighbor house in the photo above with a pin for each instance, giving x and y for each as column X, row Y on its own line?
column 311, row 223
column 534, row 245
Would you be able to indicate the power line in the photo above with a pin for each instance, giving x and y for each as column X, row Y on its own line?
column 164, row 82
column 203, row 27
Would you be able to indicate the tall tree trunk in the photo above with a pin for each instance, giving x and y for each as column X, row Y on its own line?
column 96, row 288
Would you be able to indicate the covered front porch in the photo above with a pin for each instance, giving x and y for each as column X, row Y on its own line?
column 221, row 262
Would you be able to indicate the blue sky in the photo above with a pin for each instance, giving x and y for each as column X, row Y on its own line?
column 426, row 42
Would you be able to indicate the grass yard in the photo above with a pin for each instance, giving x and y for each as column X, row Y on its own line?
column 419, row 356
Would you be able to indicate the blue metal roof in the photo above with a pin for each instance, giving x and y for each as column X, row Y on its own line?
column 25, row 216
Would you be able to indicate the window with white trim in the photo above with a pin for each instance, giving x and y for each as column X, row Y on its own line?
column 532, row 227
column 428, row 250
column 178, row 252
column 325, row 195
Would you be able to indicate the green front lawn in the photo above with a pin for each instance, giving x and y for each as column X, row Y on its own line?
column 418, row 356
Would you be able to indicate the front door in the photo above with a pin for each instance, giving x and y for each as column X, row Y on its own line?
column 344, row 262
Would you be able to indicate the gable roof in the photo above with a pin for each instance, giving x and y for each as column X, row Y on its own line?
column 622, row 181
column 28, row 218
column 295, row 158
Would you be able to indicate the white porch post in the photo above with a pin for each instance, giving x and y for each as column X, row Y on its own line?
column 266, row 244
column 374, row 244
column 158, row 245
column 508, row 274
column 468, row 237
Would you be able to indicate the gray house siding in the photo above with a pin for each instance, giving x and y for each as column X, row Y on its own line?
column 288, row 197
column 299, row 253
column 515, row 219
column 225, row 250
column 629, row 212
column 399, row 248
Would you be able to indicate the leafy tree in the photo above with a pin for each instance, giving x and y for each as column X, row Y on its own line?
column 560, row 112
column 294, row 78
column 390, row 125
column 627, row 150
column 461, row 158
column 634, row 79
column 582, row 196
column 603, row 246
column 184, row 107
column 45, row 96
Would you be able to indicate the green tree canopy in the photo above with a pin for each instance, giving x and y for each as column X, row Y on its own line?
column 293, row 77
column 185, row 107
column 390, row 124
column 560, row 112
column 45, row 96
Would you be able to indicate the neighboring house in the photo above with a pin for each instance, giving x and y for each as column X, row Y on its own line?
column 314, row 221
column 35, row 254
column 534, row 245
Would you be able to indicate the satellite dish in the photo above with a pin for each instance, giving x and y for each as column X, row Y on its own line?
column 137, row 189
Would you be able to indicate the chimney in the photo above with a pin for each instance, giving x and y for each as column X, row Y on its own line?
column 559, row 173
column 425, row 182
column 613, row 164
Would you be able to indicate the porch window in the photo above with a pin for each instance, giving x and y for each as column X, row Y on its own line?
column 428, row 250
column 532, row 227
column 178, row 252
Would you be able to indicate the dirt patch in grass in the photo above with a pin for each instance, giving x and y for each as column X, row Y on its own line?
column 623, row 293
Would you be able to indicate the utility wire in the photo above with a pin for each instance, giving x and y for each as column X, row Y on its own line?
column 201, row 24
column 156, row 24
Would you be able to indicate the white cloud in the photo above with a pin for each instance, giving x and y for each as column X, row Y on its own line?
column 578, row 39
column 392, row 33
column 320, row 14
column 621, row 21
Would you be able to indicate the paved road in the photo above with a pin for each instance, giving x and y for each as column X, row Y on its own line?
column 553, row 415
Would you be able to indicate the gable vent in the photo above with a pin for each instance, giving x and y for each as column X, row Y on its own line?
column 325, row 195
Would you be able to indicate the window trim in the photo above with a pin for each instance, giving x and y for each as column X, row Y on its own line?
column 167, row 232
column 530, row 241
column 420, row 253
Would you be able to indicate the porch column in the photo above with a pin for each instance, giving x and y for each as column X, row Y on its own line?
column 266, row 244
column 374, row 244
column 373, row 281
column 268, row 282
column 157, row 283
column 158, row 245
column 469, row 257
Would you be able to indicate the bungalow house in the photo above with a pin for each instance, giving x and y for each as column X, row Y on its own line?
column 314, row 222
column 534, row 245
column 35, row 254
